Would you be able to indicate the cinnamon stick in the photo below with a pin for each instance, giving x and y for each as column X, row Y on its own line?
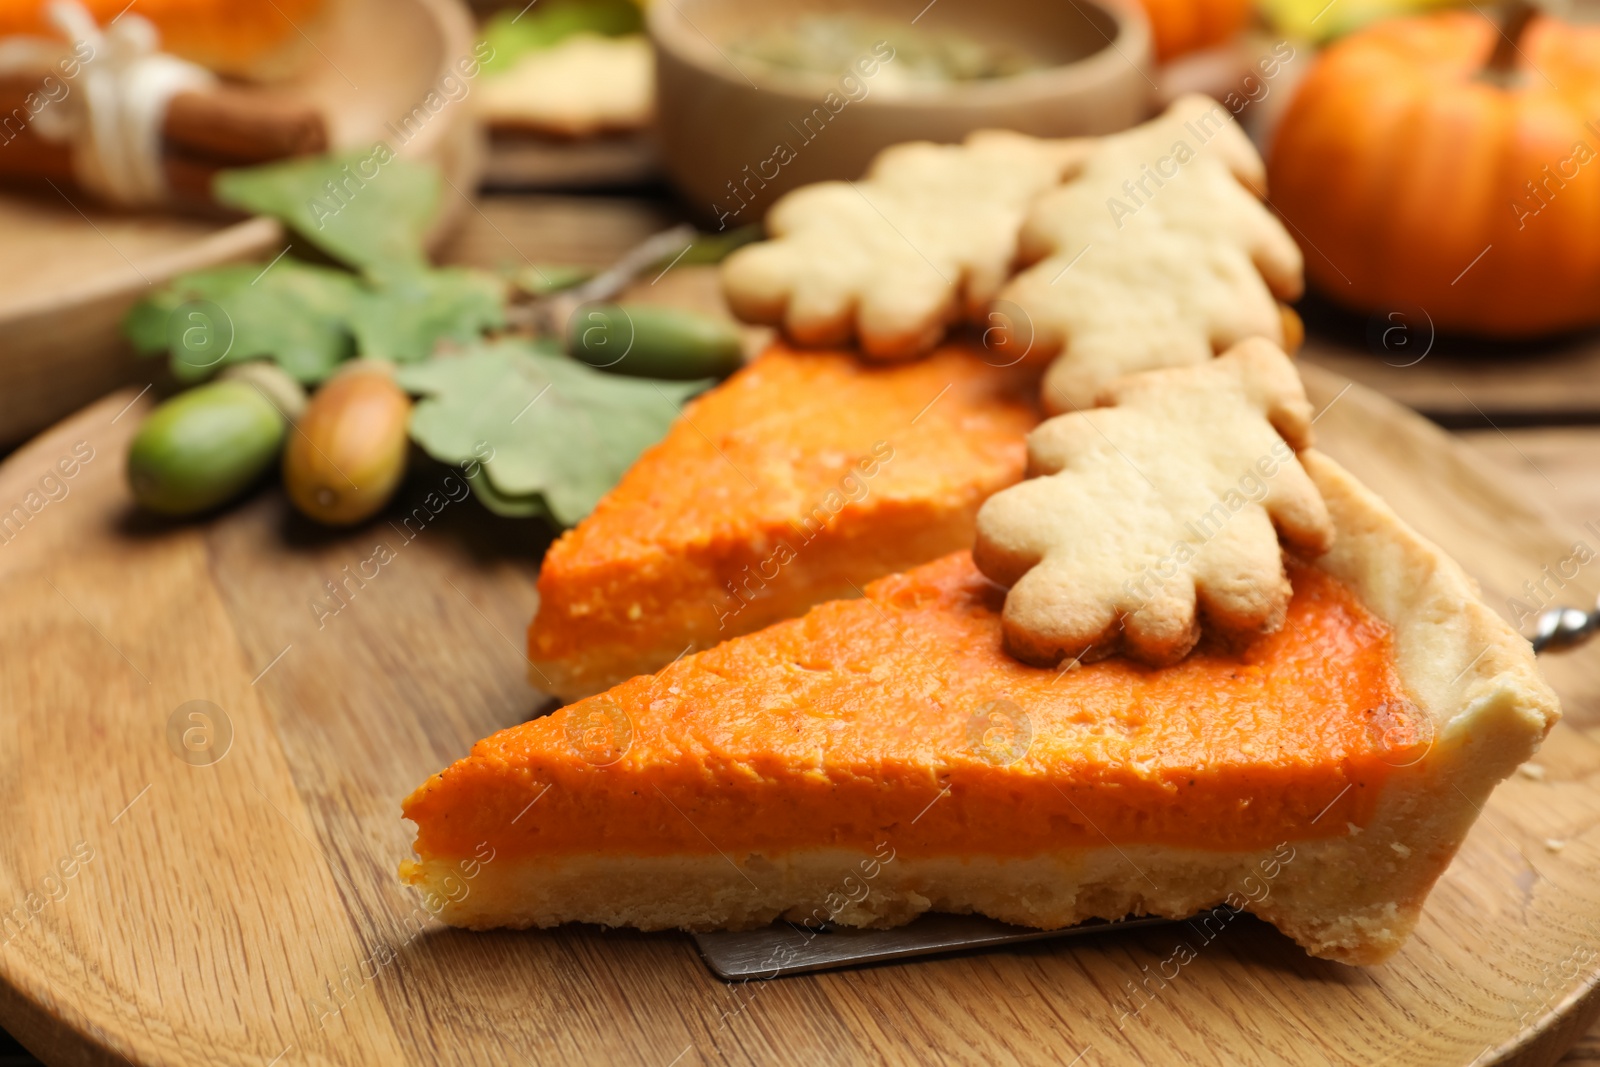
column 232, row 124
column 32, row 160
column 227, row 124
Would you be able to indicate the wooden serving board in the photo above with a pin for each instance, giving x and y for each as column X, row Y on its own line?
column 231, row 895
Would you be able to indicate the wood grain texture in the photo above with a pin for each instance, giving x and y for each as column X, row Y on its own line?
column 1559, row 465
column 507, row 231
column 247, row 911
column 1464, row 384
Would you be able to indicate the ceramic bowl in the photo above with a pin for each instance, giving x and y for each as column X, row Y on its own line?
column 736, row 131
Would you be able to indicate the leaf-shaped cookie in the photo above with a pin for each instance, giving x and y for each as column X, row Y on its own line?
column 1155, row 254
column 1162, row 500
column 926, row 239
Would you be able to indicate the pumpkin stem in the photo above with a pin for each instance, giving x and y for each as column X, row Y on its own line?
column 1514, row 20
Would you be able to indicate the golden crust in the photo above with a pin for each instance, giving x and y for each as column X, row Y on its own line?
column 1481, row 689
column 1285, row 885
column 1461, row 661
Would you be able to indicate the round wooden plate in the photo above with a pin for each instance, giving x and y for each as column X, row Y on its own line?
column 72, row 269
column 213, row 883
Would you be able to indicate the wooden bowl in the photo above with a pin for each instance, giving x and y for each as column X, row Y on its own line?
column 720, row 113
column 72, row 269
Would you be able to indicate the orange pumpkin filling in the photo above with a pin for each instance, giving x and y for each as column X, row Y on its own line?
column 898, row 717
column 800, row 479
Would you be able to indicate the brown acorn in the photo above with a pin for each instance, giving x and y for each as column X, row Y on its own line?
column 346, row 456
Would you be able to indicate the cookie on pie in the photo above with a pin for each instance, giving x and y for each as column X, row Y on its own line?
column 882, row 757
column 1165, row 503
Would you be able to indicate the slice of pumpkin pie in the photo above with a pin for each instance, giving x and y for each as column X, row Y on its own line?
column 798, row 480
column 881, row 757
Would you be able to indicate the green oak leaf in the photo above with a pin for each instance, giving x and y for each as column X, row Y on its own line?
column 368, row 209
column 403, row 317
column 531, row 506
column 292, row 312
column 556, row 427
column 542, row 279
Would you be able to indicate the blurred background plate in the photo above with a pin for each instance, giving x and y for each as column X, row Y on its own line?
column 71, row 268
column 597, row 164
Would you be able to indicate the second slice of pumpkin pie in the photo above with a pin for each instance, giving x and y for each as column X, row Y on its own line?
column 800, row 479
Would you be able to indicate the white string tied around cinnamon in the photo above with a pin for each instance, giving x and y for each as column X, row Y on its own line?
column 113, row 122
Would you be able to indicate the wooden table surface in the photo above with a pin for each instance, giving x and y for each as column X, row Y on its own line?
column 1534, row 415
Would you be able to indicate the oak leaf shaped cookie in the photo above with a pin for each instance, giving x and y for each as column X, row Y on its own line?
column 925, row 239
column 1156, row 254
column 1161, row 502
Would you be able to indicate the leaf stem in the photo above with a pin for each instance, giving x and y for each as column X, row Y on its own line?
column 1514, row 19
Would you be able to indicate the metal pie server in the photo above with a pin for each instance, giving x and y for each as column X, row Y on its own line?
column 785, row 948
column 789, row 948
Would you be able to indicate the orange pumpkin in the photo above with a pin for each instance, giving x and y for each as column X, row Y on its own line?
column 1181, row 26
column 1417, row 174
column 246, row 37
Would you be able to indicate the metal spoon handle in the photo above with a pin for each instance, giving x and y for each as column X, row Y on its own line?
column 1559, row 629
